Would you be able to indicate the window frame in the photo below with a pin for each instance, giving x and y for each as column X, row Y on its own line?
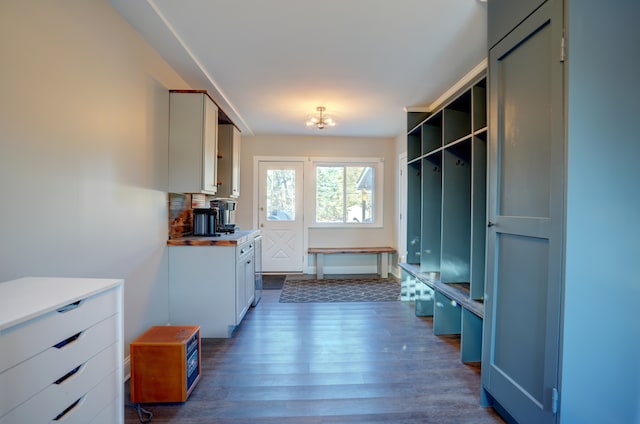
column 378, row 181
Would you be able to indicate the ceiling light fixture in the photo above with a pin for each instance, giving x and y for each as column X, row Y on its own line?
column 321, row 121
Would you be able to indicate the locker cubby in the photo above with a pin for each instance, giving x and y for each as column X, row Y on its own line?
column 478, row 215
column 479, row 96
column 424, row 299
column 456, row 213
column 431, row 213
column 432, row 133
column 456, row 120
column 414, row 144
column 447, row 318
column 414, row 212
column 471, row 338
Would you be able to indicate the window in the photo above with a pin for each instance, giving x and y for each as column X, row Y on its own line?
column 281, row 194
column 346, row 193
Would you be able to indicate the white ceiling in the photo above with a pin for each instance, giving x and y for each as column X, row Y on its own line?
column 270, row 63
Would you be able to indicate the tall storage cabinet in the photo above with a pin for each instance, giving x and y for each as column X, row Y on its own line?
column 61, row 350
column 446, row 221
column 193, row 142
column 561, row 334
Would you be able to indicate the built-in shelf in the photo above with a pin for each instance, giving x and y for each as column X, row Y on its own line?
column 446, row 217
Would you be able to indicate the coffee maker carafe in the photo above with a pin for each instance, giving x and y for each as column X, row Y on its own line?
column 201, row 222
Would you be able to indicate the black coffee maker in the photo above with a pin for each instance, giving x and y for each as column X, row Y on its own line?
column 206, row 222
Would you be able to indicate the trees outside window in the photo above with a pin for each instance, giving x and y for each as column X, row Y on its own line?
column 345, row 193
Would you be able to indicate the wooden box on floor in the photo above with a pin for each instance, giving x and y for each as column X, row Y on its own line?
column 165, row 364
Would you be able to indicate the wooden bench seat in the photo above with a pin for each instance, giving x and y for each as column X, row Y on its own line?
column 382, row 252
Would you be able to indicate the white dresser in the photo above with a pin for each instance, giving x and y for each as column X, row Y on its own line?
column 61, row 351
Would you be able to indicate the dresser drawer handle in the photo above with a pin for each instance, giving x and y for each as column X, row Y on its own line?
column 67, row 341
column 67, row 375
column 70, row 307
column 67, row 410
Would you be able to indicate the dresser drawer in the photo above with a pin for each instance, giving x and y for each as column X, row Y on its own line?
column 110, row 414
column 42, row 332
column 72, row 393
column 96, row 407
column 24, row 380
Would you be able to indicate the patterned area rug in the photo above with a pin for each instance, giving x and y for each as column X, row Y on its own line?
column 340, row 290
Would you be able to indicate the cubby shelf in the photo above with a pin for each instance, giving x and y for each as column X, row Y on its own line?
column 446, row 219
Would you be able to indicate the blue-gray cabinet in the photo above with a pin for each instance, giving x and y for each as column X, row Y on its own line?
column 561, row 335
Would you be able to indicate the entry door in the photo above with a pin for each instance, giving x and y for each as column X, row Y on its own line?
column 525, row 234
column 280, row 201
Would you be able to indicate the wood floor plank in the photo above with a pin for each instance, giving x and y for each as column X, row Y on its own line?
column 331, row 363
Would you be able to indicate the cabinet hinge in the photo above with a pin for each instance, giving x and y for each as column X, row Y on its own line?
column 563, row 53
column 554, row 400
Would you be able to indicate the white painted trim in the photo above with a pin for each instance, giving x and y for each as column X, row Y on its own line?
column 198, row 63
column 416, row 109
column 256, row 200
column 470, row 76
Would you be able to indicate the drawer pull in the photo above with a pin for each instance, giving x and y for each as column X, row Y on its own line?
column 67, row 410
column 70, row 307
column 67, row 341
column 67, row 375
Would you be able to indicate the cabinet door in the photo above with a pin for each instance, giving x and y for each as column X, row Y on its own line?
column 505, row 15
column 526, row 208
column 235, row 163
column 210, row 147
column 241, row 290
column 249, row 281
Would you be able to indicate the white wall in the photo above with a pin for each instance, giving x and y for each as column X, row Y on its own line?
column 325, row 146
column 83, row 151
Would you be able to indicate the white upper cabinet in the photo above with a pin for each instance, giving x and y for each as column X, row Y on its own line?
column 193, row 142
column 228, row 161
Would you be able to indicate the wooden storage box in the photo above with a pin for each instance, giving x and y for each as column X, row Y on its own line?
column 165, row 364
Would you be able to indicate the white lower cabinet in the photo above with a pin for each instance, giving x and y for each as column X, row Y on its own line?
column 211, row 286
column 61, row 351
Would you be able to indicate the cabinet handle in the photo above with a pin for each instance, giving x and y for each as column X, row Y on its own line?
column 67, row 341
column 67, row 410
column 67, row 375
column 491, row 224
column 69, row 307
column 248, row 262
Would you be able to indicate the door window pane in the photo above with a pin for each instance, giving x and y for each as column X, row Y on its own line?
column 281, row 195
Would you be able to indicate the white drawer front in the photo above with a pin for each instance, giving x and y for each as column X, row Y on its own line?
column 53, row 400
column 34, row 336
column 97, row 406
column 19, row 383
column 111, row 414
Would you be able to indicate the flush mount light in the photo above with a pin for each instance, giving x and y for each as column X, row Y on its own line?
column 321, row 120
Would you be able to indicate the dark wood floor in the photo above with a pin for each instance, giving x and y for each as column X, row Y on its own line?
column 330, row 363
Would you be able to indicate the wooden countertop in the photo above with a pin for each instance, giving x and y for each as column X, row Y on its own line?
column 232, row 239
